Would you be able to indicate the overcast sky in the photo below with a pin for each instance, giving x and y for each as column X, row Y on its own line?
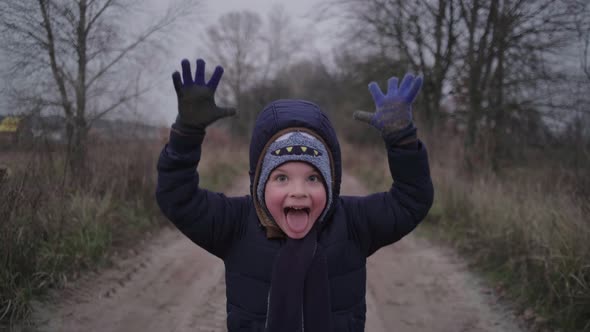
column 297, row 8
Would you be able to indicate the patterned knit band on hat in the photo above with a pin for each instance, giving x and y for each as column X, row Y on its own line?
column 296, row 146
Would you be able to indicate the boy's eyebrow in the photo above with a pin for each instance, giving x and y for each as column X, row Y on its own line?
column 314, row 171
column 278, row 169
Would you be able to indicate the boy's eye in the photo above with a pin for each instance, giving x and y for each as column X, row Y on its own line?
column 281, row 178
column 314, row 178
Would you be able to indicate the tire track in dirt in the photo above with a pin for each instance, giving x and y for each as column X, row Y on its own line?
column 173, row 285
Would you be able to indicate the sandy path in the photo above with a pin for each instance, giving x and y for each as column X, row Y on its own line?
column 173, row 285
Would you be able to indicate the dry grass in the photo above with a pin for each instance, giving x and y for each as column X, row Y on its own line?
column 52, row 227
column 532, row 241
column 222, row 160
column 524, row 229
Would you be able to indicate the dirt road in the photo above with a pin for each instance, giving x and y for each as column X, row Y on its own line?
column 173, row 285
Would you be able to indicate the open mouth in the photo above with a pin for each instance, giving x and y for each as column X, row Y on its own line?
column 293, row 209
column 297, row 218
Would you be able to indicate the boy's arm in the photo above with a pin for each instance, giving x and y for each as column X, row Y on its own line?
column 211, row 220
column 383, row 218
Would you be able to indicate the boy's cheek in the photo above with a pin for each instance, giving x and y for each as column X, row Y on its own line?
column 276, row 212
column 273, row 202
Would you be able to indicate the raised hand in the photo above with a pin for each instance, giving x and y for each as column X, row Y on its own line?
column 196, row 100
column 393, row 111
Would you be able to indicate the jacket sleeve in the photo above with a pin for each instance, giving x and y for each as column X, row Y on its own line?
column 381, row 219
column 211, row 220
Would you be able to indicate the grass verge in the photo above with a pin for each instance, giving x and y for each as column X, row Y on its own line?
column 527, row 237
column 54, row 228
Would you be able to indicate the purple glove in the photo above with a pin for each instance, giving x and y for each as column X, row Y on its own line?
column 393, row 110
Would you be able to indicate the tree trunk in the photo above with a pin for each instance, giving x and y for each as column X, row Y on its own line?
column 78, row 153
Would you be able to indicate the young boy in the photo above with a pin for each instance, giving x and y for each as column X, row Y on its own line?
column 294, row 250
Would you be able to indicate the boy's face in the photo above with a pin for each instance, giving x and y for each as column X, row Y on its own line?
column 295, row 197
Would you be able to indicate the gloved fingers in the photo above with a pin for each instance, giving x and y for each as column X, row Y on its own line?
column 406, row 84
column 392, row 86
column 200, row 72
column 176, row 81
column 417, row 84
column 215, row 78
column 376, row 93
column 186, row 72
column 363, row 116
column 226, row 111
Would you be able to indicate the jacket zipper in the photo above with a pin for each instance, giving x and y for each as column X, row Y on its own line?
column 267, row 308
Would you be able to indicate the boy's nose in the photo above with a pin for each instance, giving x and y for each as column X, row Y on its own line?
column 298, row 194
column 298, row 190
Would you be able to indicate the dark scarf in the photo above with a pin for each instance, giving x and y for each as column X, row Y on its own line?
column 299, row 296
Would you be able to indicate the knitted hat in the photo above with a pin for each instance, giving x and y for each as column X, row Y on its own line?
column 296, row 146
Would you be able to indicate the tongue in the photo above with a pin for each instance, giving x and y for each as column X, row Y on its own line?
column 297, row 220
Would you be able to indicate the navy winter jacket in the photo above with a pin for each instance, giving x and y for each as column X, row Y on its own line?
column 228, row 227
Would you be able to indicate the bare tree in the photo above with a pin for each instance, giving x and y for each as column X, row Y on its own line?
column 501, row 59
column 69, row 56
column 422, row 34
column 505, row 60
column 585, row 35
column 282, row 42
column 253, row 52
column 235, row 41
column 580, row 9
